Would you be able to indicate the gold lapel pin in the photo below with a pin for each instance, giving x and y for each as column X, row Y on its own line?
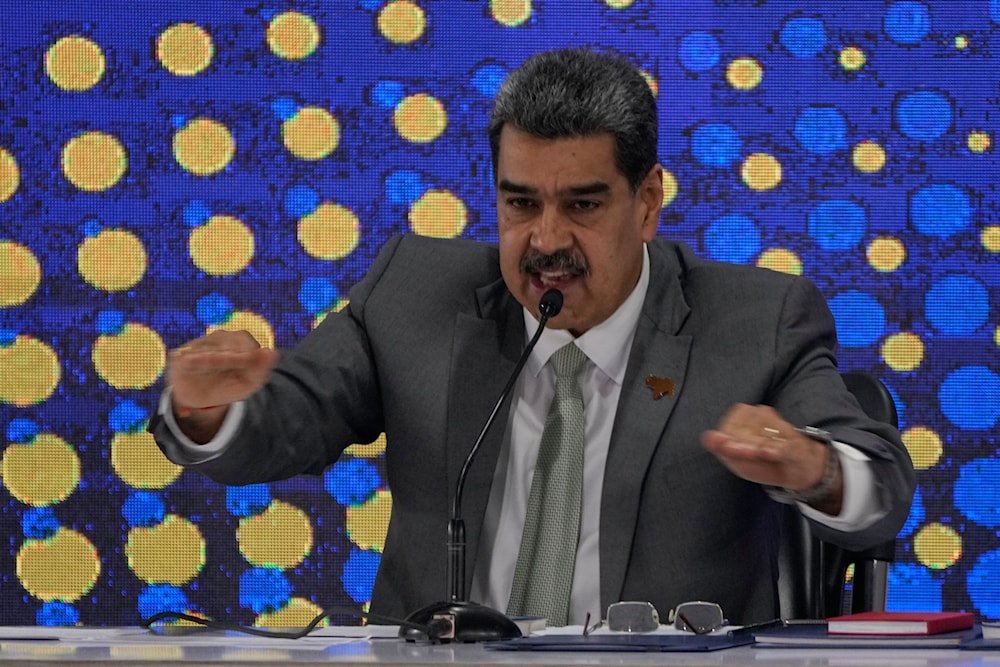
column 660, row 386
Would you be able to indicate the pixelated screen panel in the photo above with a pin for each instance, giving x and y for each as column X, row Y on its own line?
column 167, row 169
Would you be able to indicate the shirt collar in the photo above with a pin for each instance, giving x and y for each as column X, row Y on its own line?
column 607, row 345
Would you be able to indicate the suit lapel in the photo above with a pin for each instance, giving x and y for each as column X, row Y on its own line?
column 486, row 346
column 659, row 351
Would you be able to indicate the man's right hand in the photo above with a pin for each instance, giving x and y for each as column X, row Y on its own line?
column 209, row 373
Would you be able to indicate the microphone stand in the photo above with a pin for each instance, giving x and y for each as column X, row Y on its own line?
column 458, row 619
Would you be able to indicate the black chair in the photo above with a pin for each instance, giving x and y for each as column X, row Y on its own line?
column 812, row 573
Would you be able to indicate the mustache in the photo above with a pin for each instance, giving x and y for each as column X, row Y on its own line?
column 559, row 261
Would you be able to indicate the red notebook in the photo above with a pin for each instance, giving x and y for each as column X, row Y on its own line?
column 900, row 623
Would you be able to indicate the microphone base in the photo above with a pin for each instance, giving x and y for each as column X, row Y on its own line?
column 470, row 622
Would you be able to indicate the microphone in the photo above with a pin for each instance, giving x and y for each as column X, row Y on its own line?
column 468, row 621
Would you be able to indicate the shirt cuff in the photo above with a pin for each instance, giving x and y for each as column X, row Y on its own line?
column 188, row 450
column 860, row 506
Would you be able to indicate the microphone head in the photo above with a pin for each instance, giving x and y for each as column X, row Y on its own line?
column 551, row 303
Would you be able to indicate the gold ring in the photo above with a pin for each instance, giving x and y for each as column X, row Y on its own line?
column 773, row 433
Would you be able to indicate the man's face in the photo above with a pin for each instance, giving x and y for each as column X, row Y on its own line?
column 567, row 219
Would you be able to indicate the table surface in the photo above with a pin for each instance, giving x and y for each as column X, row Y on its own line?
column 39, row 647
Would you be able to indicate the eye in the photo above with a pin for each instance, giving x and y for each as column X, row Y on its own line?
column 520, row 202
column 584, row 205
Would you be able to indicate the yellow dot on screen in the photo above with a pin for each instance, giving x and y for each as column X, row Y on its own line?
column 133, row 358
column 74, row 63
column 654, row 86
column 29, row 372
column 761, row 172
column 961, row 42
column 113, row 260
column 924, row 446
column 618, row 4
column 63, row 567
column 280, row 536
column 868, row 157
column 903, row 351
column 222, row 246
column 204, row 146
column 402, row 21
column 510, row 13
column 367, row 523
column 669, row 187
column 886, row 254
column 171, row 552
column 20, row 273
column 979, row 141
column 94, row 161
column 297, row 613
column 744, row 73
column 41, row 473
column 781, row 260
column 438, row 213
column 338, row 306
column 420, row 118
column 311, row 134
column 996, row 336
column 292, row 36
column 852, row 58
column 184, row 49
column 331, row 231
column 139, row 462
column 370, row 450
column 937, row 546
column 10, row 175
column 990, row 238
column 252, row 323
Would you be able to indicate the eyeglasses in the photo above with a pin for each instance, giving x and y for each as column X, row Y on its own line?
column 698, row 617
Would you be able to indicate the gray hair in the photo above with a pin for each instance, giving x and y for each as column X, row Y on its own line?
column 580, row 93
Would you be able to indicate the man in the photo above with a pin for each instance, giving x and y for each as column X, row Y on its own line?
column 696, row 378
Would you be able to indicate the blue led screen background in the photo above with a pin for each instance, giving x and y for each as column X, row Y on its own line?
column 168, row 168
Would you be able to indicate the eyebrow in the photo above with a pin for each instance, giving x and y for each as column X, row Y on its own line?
column 597, row 187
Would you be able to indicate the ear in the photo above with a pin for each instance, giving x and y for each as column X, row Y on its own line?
column 650, row 195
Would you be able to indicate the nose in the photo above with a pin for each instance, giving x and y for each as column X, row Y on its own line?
column 551, row 232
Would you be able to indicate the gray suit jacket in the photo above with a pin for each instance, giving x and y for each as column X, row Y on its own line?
column 424, row 349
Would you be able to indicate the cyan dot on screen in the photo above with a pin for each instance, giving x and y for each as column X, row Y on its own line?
column 196, row 213
column 21, row 430
column 358, row 575
column 837, row 224
column 940, row 210
column 699, row 51
column 57, row 614
column 970, row 397
column 859, row 316
column 7, row 337
column 91, row 227
column 995, row 11
column 371, row 4
column 387, row 94
column 143, row 509
column 38, row 523
column 404, row 186
column 912, row 586
column 923, row 115
column 284, row 107
column 264, row 589
column 213, row 309
column 732, row 238
column 110, row 322
column 488, row 78
column 917, row 515
column 155, row 598
column 907, row 22
column 976, row 494
column 715, row 144
column 351, row 481
column 127, row 417
column 821, row 130
column 957, row 305
column 243, row 501
column 317, row 295
column 178, row 121
column 981, row 583
column 301, row 200
column 803, row 37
